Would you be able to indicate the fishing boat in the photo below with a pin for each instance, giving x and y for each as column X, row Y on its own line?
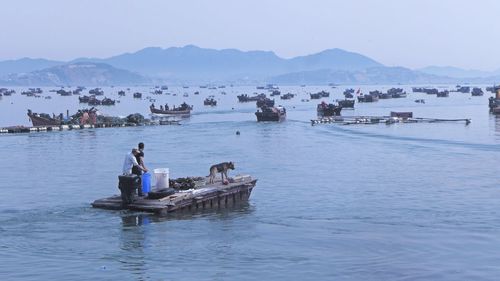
column 96, row 91
column 348, row 93
column 246, row 98
column 275, row 93
column 443, row 94
column 287, row 96
column 322, row 94
column 265, row 102
column 325, row 109
column 345, row 103
column 476, row 92
column 273, row 114
column 137, row 95
column 43, row 119
column 368, row 98
column 184, row 109
column 210, row 101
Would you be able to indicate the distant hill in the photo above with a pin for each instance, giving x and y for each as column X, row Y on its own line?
column 456, row 72
column 373, row 75
column 25, row 65
column 84, row 73
column 191, row 64
column 194, row 63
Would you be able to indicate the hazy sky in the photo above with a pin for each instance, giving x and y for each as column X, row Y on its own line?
column 410, row 33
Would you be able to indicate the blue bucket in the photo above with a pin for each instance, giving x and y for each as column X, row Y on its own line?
column 146, row 182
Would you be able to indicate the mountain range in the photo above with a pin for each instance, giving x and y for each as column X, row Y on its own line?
column 192, row 64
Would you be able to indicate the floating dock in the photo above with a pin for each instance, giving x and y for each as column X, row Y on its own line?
column 360, row 120
column 23, row 129
column 202, row 197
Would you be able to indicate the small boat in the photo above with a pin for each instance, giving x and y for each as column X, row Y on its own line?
column 107, row 101
column 265, row 102
column 322, row 94
column 94, row 101
column 246, row 98
column 85, row 99
column 273, row 114
column 43, row 119
column 385, row 96
column 184, row 109
column 346, row 103
column 323, row 109
column 463, row 89
column 275, row 93
column 443, row 94
column 63, row 93
column 348, row 93
column 420, row 101
column 96, row 91
column 137, row 95
column 121, row 93
column 494, row 104
column 368, row 98
column 399, row 95
column 287, row 96
column 476, row 92
column 210, row 101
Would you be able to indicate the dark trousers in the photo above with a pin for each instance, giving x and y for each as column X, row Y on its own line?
column 138, row 173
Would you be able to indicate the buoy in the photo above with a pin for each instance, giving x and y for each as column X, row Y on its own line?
column 237, row 133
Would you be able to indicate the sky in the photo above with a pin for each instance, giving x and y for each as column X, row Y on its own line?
column 409, row 33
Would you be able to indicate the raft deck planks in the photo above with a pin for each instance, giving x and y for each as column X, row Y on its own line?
column 209, row 196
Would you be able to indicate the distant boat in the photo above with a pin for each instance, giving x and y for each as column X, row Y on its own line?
column 246, row 98
column 325, row 109
column 346, row 103
column 184, row 109
column 273, row 114
column 43, row 119
column 210, row 102
column 476, row 92
column 443, row 94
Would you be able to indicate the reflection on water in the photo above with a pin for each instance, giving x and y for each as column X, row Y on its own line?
column 131, row 220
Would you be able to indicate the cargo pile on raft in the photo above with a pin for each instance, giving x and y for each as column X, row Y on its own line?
column 86, row 117
column 184, row 194
column 394, row 117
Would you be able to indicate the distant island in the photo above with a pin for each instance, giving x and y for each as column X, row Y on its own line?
column 194, row 65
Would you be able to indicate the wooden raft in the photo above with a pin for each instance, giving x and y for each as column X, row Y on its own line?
column 209, row 196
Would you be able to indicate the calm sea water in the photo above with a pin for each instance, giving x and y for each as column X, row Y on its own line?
column 372, row 202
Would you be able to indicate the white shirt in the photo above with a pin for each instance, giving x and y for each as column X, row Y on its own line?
column 129, row 162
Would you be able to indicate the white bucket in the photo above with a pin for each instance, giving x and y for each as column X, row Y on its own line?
column 161, row 177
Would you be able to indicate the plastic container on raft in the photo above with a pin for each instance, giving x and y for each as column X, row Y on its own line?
column 146, row 182
column 161, row 177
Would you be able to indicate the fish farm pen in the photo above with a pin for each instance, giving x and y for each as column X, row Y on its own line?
column 395, row 117
column 23, row 129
